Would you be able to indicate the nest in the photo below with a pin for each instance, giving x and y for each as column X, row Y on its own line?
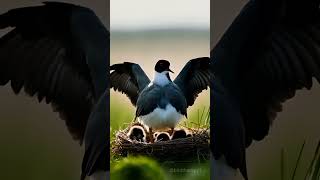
column 194, row 148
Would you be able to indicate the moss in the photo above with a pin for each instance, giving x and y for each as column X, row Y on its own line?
column 139, row 168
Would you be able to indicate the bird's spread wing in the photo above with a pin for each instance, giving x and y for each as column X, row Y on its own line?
column 128, row 78
column 268, row 53
column 51, row 55
column 194, row 78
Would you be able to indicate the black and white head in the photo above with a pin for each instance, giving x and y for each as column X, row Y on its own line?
column 162, row 70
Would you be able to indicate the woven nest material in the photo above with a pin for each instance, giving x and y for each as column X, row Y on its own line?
column 195, row 148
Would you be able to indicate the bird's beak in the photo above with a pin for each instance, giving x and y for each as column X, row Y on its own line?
column 171, row 71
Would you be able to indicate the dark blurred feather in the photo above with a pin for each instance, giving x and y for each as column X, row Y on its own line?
column 271, row 50
column 40, row 55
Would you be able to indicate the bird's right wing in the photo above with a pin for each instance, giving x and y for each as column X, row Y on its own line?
column 128, row 78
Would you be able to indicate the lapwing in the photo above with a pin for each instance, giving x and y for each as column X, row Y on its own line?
column 161, row 103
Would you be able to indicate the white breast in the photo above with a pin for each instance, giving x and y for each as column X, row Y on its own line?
column 162, row 118
column 161, row 79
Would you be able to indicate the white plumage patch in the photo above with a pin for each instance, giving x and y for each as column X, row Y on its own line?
column 161, row 79
column 162, row 118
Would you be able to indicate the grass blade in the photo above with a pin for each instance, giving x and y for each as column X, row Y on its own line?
column 309, row 171
column 282, row 165
column 298, row 161
column 316, row 172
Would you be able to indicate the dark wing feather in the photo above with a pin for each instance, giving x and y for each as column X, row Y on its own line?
column 295, row 62
column 128, row 78
column 194, row 78
column 97, row 154
column 268, row 53
column 152, row 97
column 44, row 55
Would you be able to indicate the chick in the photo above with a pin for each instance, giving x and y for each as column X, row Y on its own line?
column 178, row 134
column 137, row 133
column 162, row 136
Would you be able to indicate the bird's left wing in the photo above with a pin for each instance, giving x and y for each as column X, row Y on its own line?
column 194, row 78
column 128, row 78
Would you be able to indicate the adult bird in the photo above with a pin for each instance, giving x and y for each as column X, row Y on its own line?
column 59, row 53
column 161, row 103
column 271, row 50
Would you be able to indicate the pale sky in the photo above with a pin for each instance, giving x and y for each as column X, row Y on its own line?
column 153, row 14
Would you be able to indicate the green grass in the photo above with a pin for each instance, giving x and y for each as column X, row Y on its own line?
column 137, row 167
column 311, row 173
